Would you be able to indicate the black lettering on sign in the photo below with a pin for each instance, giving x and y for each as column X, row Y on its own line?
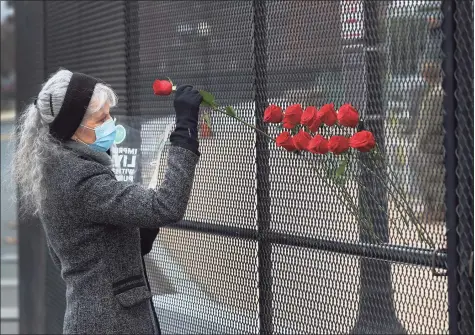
column 124, row 163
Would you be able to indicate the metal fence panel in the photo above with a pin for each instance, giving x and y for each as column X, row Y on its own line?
column 267, row 246
column 32, row 247
column 464, row 117
column 88, row 36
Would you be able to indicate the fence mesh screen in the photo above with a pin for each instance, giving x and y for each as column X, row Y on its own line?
column 267, row 244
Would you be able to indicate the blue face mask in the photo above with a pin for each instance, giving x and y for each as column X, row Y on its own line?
column 105, row 135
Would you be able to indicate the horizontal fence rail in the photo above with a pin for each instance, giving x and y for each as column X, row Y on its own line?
column 395, row 253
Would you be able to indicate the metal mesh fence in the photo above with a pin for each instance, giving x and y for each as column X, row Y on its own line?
column 464, row 132
column 29, row 22
column 266, row 245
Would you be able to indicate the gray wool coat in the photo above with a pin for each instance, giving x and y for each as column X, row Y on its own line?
column 92, row 226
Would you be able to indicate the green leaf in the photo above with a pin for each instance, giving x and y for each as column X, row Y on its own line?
column 342, row 168
column 230, row 111
column 208, row 99
column 337, row 173
column 207, row 104
column 207, row 120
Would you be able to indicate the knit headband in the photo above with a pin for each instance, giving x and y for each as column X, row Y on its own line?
column 77, row 98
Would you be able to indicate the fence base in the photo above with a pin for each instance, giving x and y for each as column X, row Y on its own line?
column 376, row 313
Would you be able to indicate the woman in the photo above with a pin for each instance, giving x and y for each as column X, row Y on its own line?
column 98, row 228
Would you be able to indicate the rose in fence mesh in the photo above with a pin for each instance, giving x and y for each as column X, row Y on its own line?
column 346, row 151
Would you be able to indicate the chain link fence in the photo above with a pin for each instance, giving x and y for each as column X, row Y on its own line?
column 266, row 247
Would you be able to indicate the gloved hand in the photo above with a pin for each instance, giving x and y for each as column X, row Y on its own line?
column 147, row 237
column 187, row 106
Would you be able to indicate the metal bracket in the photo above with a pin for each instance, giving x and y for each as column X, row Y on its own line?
column 436, row 273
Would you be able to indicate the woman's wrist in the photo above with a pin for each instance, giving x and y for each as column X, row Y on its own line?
column 186, row 138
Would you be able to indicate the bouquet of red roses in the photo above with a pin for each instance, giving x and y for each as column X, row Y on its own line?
column 313, row 131
column 302, row 128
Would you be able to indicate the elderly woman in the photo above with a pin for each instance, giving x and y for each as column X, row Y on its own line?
column 98, row 228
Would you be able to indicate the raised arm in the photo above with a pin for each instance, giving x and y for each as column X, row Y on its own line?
column 104, row 200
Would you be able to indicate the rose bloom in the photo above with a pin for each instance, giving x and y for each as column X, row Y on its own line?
column 338, row 144
column 363, row 141
column 348, row 116
column 301, row 140
column 310, row 118
column 205, row 130
column 327, row 114
column 285, row 141
column 162, row 87
column 292, row 116
column 318, row 145
column 273, row 114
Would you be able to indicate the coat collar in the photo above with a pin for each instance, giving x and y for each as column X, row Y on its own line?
column 83, row 150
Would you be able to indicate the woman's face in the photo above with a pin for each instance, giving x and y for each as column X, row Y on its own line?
column 95, row 120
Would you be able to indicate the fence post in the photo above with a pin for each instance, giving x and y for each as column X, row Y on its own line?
column 376, row 313
column 464, row 117
column 457, row 27
column 32, row 250
column 132, row 108
column 448, row 85
column 264, row 250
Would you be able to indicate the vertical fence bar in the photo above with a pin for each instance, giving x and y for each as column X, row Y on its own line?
column 464, row 117
column 32, row 250
column 132, row 48
column 262, row 166
column 133, row 113
column 449, row 86
column 376, row 313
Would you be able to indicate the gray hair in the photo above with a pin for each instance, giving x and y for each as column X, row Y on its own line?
column 35, row 145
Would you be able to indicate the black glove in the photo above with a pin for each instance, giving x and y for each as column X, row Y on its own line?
column 187, row 106
column 147, row 237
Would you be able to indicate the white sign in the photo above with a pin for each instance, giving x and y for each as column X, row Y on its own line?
column 352, row 18
column 124, row 163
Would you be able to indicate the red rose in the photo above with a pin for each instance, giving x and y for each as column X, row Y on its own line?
column 292, row 117
column 327, row 114
column 317, row 122
column 162, row 87
column 301, row 140
column 273, row 114
column 338, row 144
column 308, row 116
column 348, row 116
column 310, row 119
column 363, row 141
column 205, row 130
column 285, row 141
column 318, row 145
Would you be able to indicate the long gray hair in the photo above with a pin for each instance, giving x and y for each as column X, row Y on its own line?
column 35, row 145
